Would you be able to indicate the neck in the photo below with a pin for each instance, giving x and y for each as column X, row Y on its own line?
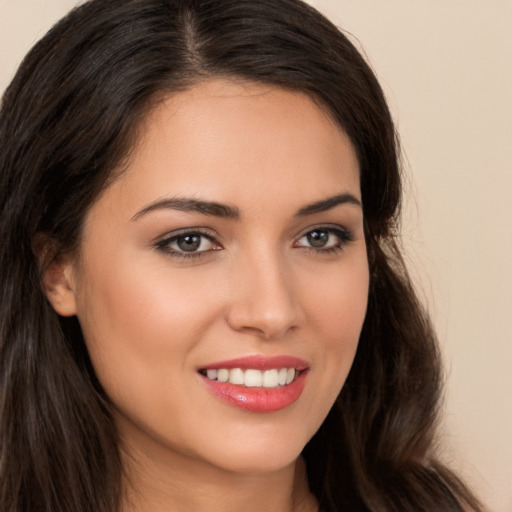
column 153, row 485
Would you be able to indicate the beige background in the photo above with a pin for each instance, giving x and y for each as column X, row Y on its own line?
column 446, row 67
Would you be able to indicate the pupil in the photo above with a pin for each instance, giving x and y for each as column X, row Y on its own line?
column 189, row 243
column 318, row 238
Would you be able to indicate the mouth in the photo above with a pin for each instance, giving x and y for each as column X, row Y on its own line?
column 253, row 378
column 257, row 384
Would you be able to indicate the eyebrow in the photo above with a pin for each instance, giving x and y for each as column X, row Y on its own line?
column 232, row 212
column 192, row 205
column 327, row 204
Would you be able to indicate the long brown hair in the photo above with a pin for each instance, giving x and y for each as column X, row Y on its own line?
column 67, row 121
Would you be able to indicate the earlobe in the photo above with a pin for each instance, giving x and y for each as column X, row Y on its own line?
column 59, row 286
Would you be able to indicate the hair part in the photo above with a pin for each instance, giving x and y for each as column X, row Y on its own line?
column 68, row 122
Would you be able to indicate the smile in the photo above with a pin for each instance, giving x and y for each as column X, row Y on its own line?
column 253, row 378
column 256, row 383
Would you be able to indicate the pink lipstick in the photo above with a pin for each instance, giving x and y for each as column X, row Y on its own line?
column 257, row 383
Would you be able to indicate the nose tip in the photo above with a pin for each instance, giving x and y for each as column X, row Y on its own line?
column 267, row 325
column 265, row 305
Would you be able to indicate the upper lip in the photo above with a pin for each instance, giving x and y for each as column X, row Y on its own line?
column 258, row 362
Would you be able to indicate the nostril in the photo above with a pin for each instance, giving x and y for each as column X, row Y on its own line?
column 262, row 320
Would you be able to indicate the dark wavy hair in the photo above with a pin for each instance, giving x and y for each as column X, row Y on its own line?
column 67, row 121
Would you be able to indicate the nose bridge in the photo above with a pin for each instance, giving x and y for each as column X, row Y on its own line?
column 263, row 300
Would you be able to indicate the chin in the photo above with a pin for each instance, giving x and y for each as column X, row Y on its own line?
column 250, row 463
column 258, row 453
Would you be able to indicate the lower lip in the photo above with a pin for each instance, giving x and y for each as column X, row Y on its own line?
column 258, row 399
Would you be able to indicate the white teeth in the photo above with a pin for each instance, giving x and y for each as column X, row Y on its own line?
column 254, row 378
column 223, row 375
column 270, row 379
column 236, row 376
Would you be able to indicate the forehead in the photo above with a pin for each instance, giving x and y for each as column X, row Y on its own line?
column 232, row 140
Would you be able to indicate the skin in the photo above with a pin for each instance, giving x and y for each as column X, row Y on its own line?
column 151, row 319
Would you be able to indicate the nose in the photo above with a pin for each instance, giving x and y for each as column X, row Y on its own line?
column 263, row 300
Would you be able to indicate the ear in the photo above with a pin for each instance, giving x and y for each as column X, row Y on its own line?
column 57, row 274
column 59, row 285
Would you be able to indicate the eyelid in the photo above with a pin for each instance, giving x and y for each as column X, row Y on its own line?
column 163, row 242
column 333, row 228
column 344, row 235
column 201, row 230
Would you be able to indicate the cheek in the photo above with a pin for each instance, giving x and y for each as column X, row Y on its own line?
column 337, row 312
column 338, row 304
column 141, row 329
column 138, row 325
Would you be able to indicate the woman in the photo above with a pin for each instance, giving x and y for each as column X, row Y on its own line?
column 203, row 303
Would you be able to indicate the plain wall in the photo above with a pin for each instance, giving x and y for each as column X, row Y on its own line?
column 446, row 68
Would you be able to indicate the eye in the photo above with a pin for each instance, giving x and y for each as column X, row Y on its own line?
column 325, row 239
column 186, row 244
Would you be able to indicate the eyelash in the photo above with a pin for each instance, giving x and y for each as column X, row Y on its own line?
column 164, row 245
column 344, row 236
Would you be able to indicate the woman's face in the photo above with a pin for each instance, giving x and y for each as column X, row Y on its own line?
column 231, row 248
